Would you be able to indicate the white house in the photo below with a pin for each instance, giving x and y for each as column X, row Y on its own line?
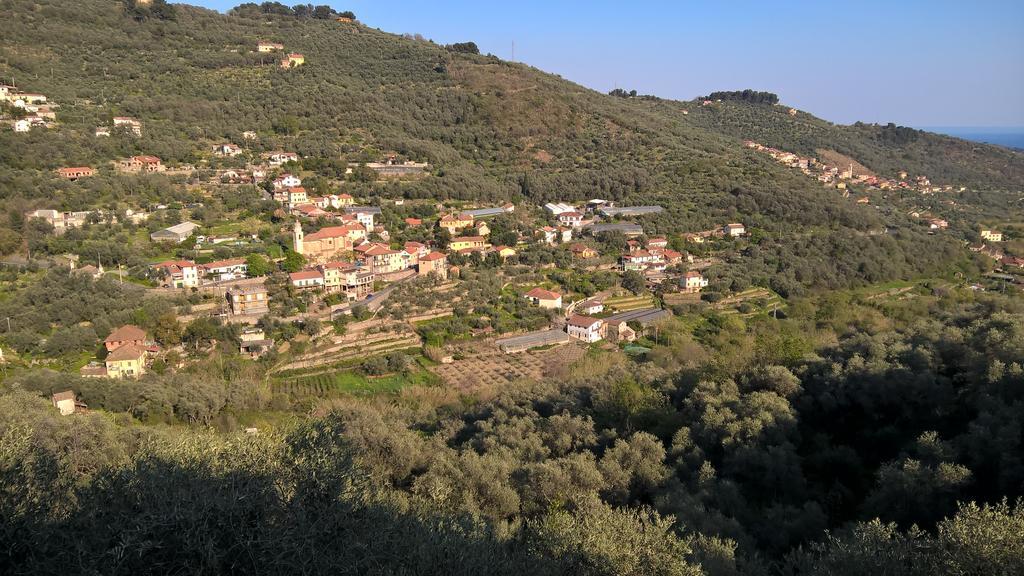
column 287, row 181
column 544, row 298
column 22, row 125
column 693, row 281
column 585, row 328
column 556, row 208
column 734, row 230
column 572, row 218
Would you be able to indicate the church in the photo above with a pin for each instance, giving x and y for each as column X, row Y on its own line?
column 324, row 244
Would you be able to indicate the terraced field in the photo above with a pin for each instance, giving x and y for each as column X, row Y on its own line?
column 488, row 366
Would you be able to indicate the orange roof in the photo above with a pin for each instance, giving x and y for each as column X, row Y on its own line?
column 174, row 263
column 582, row 321
column 126, row 333
column 542, row 294
column 147, row 159
column 468, row 239
column 126, row 352
column 305, row 275
column 328, row 232
column 379, row 250
column 432, row 256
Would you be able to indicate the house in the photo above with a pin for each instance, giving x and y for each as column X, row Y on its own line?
column 254, row 342
column 286, row 180
column 66, row 403
column 433, row 263
column 694, row 238
column 178, row 273
column 248, row 300
column 937, row 224
column 734, row 230
column 505, row 251
column 583, row 251
column 481, row 228
column 363, row 217
column 293, row 60
column 347, row 278
column 455, row 223
column 384, row 260
column 638, row 260
column 544, row 298
column 264, row 46
column 657, row 242
column 177, row 233
column 76, row 172
column 549, row 234
column 326, row 243
column 337, row 201
column 311, row 211
column 618, row 331
column 279, row 157
column 124, row 336
column 145, row 164
column 129, row 123
column 307, row 279
column 572, row 218
column 467, row 243
column 591, row 307
column 992, row 235
column 693, row 281
column 21, row 125
column 128, row 361
column 221, row 270
column 227, row 150
column 585, row 328
column 413, row 222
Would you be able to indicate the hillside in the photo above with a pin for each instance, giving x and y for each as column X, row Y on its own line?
column 492, row 130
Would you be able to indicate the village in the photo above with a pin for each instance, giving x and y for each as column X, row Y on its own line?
column 471, row 288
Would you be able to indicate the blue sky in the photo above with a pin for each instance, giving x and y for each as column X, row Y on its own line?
column 913, row 62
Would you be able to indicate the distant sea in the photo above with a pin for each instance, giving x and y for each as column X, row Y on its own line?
column 1009, row 137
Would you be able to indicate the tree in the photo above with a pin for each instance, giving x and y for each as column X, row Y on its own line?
column 464, row 48
column 257, row 265
column 293, row 261
column 634, row 282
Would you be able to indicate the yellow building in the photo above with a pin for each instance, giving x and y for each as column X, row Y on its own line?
column 464, row 242
column 128, row 361
column 293, row 60
column 455, row 223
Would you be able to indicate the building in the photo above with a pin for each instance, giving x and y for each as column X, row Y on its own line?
column 293, row 60
column 347, row 278
column 263, row 46
column 324, row 244
column 129, row 123
column 556, row 208
column 505, row 251
column 937, row 224
column 177, row 233
column 571, row 218
column 124, row 336
column 585, row 328
column 178, row 273
column 544, row 298
column 21, row 125
column 657, row 242
column 992, row 235
column 221, row 270
column 490, row 212
column 629, row 211
column 455, row 223
column 67, row 404
column 468, row 243
column 590, row 307
column 286, row 181
column 734, row 230
column 433, row 263
column 693, row 281
column 626, row 229
column 227, row 149
column 143, row 164
column 248, row 300
column 307, row 279
column 383, row 260
column 583, row 251
column 618, row 331
column 254, row 342
column 279, row 157
column 76, row 172
column 128, row 361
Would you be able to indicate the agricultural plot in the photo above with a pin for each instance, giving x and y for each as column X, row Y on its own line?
column 347, row 381
column 491, row 367
column 627, row 303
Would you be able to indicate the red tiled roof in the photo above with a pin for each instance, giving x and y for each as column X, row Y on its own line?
column 468, row 239
column 328, row 232
column 223, row 263
column 582, row 321
column 542, row 294
column 126, row 352
column 432, row 256
column 126, row 333
column 305, row 275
